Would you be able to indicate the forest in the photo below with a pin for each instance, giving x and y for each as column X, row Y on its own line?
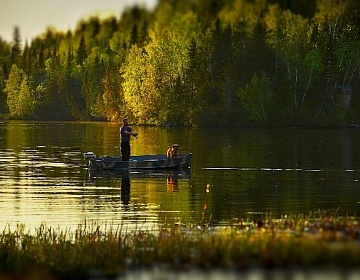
column 238, row 63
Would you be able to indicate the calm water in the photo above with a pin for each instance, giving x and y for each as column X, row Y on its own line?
column 250, row 173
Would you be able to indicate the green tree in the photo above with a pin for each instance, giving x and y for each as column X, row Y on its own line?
column 2, row 93
column 81, row 53
column 92, row 85
column 20, row 97
column 220, row 94
column 338, row 32
column 140, row 94
column 12, row 90
column 257, row 99
column 16, row 46
column 55, row 104
column 4, row 60
column 169, row 54
column 184, row 62
column 289, row 35
column 111, row 100
column 197, row 81
column 154, row 76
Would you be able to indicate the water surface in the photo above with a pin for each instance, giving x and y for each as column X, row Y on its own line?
column 243, row 173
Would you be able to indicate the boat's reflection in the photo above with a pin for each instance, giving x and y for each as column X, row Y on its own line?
column 121, row 174
column 172, row 178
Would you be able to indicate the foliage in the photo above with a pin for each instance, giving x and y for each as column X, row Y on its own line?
column 185, row 62
column 21, row 98
column 256, row 98
column 302, row 241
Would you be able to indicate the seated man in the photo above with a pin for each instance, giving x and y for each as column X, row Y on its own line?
column 172, row 151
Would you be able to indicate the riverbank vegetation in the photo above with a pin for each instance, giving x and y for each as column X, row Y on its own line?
column 203, row 62
column 315, row 240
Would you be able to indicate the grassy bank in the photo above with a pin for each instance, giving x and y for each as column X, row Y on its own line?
column 313, row 240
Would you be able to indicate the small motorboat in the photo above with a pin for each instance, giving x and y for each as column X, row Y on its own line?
column 144, row 162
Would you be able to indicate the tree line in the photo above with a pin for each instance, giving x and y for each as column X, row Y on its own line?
column 200, row 62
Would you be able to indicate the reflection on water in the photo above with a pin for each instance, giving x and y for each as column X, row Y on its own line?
column 247, row 175
column 125, row 190
column 55, row 187
column 173, row 183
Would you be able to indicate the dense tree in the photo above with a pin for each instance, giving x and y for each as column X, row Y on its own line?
column 20, row 97
column 140, row 94
column 92, row 85
column 81, row 51
column 12, row 90
column 198, row 62
column 289, row 35
column 257, row 99
column 111, row 98
column 4, row 72
column 16, row 46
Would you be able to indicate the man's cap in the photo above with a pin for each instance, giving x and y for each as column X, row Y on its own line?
column 125, row 119
column 175, row 145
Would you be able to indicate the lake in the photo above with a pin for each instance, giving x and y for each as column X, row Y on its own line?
column 236, row 174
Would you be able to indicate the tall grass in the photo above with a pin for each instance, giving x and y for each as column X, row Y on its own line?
column 303, row 240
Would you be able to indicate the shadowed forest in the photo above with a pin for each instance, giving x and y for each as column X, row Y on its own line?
column 262, row 63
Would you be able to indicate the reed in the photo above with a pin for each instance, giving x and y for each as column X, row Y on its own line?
column 309, row 240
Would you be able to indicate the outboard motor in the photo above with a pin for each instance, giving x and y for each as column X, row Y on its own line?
column 88, row 156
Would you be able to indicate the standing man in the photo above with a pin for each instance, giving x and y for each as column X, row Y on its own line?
column 125, row 133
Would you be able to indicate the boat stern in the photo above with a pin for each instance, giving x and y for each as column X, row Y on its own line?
column 186, row 161
column 88, row 156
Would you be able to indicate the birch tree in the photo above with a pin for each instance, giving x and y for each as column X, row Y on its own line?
column 289, row 35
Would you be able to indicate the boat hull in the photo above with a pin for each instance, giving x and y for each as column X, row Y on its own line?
column 145, row 162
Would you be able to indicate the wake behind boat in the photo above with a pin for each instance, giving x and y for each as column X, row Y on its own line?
column 148, row 162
